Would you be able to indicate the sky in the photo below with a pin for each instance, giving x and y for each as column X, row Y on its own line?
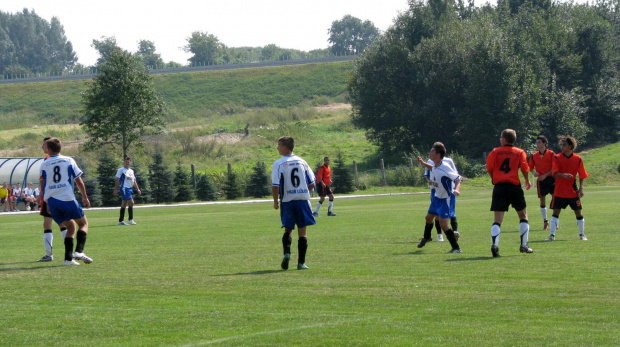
column 292, row 24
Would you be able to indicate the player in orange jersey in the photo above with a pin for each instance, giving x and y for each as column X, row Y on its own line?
column 503, row 165
column 540, row 166
column 566, row 166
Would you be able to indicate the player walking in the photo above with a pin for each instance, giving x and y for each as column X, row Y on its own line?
column 324, row 181
column 126, row 180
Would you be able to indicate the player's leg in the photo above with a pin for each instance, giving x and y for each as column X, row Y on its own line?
column 286, row 246
column 321, row 199
column 302, row 247
column 454, row 224
column 130, row 204
column 330, row 206
column 556, row 204
column 69, row 243
column 444, row 223
column 82, row 231
column 428, row 228
column 581, row 223
column 524, row 231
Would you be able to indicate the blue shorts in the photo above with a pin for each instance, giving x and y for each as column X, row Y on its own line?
column 126, row 194
column 440, row 207
column 296, row 212
column 63, row 211
column 452, row 203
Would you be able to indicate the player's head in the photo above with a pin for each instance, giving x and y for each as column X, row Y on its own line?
column 568, row 141
column 53, row 145
column 326, row 161
column 127, row 161
column 286, row 143
column 509, row 136
column 542, row 138
column 440, row 149
column 44, row 145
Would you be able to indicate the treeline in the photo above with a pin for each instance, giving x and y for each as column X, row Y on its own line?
column 448, row 71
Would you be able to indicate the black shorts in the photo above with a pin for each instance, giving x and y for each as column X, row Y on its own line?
column 323, row 190
column 43, row 210
column 545, row 187
column 506, row 194
column 574, row 203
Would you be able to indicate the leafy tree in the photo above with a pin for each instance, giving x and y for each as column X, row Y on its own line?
column 106, row 47
column 351, row 36
column 205, row 190
column 182, row 185
column 231, row 185
column 161, row 180
column 343, row 180
column 258, row 185
column 120, row 104
column 206, row 48
column 146, row 53
column 106, row 172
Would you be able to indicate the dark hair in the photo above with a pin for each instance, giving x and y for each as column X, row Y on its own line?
column 47, row 138
column 324, row 159
column 287, row 142
column 510, row 136
column 571, row 141
column 53, row 145
column 440, row 148
column 127, row 158
column 542, row 138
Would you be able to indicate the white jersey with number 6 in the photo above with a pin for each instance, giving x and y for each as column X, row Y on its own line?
column 293, row 176
column 59, row 171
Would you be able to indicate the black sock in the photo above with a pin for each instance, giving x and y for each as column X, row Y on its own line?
column 437, row 227
column 122, row 216
column 428, row 228
column 68, row 248
column 450, row 235
column 130, row 208
column 81, row 240
column 302, row 247
column 286, row 242
column 454, row 224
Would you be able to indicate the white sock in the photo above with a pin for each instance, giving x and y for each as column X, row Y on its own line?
column 524, row 231
column 318, row 206
column 554, row 224
column 48, row 240
column 329, row 206
column 581, row 224
column 63, row 232
column 495, row 230
column 543, row 212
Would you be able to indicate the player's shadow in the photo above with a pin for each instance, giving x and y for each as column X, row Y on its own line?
column 21, row 268
column 261, row 272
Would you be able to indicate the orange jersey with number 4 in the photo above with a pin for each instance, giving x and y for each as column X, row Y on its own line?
column 503, row 164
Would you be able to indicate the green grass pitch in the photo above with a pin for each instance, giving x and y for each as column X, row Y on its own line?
column 210, row 275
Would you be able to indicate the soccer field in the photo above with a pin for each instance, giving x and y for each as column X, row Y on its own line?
column 210, row 275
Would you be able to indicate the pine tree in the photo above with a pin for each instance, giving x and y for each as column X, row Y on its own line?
column 90, row 182
column 258, row 185
column 205, row 190
column 161, row 179
column 182, row 185
column 143, row 183
column 231, row 187
column 107, row 171
column 343, row 179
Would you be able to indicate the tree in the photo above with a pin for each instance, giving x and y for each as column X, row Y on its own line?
column 143, row 183
column 161, row 180
column 106, row 172
column 106, row 47
column 205, row 47
column 182, row 185
column 343, row 179
column 351, row 36
column 258, row 185
column 146, row 53
column 205, row 191
column 90, row 182
column 231, row 186
column 120, row 104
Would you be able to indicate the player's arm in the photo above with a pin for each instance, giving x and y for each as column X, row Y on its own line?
column 79, row 183
column 457, row 187
column 275, row 192
column 135, row 184
column 525, row 170
column 319, row 176
column 116, row 184
column 425, row 164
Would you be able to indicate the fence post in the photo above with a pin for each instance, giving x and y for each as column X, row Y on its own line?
column 194, row 176
column 355, row 171
column 383, row 173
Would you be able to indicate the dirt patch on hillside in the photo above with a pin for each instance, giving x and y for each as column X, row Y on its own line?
column 226, row 138
column 333, row 107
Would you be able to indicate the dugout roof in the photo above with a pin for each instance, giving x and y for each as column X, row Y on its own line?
column 20, row 170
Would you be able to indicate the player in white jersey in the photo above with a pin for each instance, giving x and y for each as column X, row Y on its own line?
column 58, row 172
column 291, row 181
column 446, row 182
column 125, row 179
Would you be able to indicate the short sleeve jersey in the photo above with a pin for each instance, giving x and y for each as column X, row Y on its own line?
column 28, row 191
column 503, row 164
column 292, row 176
column 566, row 187
column 541, row 162
column 17, row 192
column 126, row 177
column 446, row 160
column 443, row 177
column 3, row 193
column 325, row 174
column 58, row 172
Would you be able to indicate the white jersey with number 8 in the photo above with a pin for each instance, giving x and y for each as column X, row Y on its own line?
column 59, row 171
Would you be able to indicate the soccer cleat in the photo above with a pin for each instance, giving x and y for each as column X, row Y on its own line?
column 546, row 225
column 27, row 208
column 525, row 249
column 439, row 238
column 122, row 223
column 82, row 257
column 423, row 242
column 550, row 238
column 583, row 237
column 302, row 267
column 455, row 250
column 331, row 214
column 457, row 235
column 495, row 251
column 131, row 222
column 315, row 214
column 285, row 260
column 46, row 258
column 70, row 262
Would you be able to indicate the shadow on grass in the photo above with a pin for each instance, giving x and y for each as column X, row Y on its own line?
column 261, row 272
column 24, row 268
